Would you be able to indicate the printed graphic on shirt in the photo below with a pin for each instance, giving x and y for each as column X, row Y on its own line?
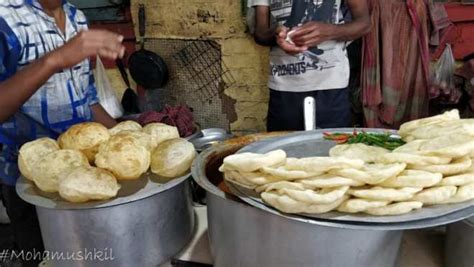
column 323, row 67
column 305, row 64
column 293, row 13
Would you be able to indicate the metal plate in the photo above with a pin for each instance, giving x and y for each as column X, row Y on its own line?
column 148, row 185
column 311, row 144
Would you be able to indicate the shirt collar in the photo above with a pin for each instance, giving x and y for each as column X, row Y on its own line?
column 35, row 3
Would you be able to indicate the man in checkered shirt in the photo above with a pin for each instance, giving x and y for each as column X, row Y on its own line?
column 46, row 86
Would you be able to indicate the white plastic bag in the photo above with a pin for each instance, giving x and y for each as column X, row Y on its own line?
column 443, row 74
column 107, row 96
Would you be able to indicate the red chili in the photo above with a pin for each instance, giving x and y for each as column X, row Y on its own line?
column 341, row 137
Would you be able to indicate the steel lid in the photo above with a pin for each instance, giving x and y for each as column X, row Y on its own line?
column 148, row 185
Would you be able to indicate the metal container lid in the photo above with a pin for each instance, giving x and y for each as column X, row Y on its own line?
column 148, row 185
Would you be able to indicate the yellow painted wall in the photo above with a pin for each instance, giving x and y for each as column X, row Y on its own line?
column 222, row 21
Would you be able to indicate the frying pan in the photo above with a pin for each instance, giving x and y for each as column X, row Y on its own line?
column 148, row 69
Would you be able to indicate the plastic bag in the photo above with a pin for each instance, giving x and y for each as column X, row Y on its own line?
column 107, row 96
column 443, row 74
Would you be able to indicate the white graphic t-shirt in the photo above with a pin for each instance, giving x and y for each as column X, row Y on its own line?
column 326, row 66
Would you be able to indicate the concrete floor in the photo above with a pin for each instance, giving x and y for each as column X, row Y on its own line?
column 420, row 248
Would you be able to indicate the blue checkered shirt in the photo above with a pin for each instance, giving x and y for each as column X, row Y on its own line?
column 26, row 34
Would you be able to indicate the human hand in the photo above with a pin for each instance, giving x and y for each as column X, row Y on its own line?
column 282, row 41
column 313, row 33
column 87, row 44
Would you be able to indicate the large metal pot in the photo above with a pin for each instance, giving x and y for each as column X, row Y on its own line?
column 460, row 244
column 144, row 229
column 243, row 235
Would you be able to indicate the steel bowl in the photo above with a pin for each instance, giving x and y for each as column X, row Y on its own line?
column 146, row 226
column 209, row 137
column 244, row 235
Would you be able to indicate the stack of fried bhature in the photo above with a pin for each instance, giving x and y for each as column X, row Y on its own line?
column 433, row 167
column 88, row 161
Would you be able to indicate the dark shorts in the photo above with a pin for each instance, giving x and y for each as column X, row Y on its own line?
column 285, row 111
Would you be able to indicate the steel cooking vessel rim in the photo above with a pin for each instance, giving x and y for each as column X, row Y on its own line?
column 20, row 188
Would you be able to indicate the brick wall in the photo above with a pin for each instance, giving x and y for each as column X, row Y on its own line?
column 222, row 21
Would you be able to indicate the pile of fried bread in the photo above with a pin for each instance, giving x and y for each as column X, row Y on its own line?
column 88, row 161
column 434, row 167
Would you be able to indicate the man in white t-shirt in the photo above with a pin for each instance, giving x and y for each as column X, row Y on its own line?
column 308, row 57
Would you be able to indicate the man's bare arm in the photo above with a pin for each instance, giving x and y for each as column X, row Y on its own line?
column 22, row 85
column 264, row 35
column 101, row 116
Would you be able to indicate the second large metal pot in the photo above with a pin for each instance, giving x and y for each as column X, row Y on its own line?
column 241, row 235
column 248, row 236
column 460, row 244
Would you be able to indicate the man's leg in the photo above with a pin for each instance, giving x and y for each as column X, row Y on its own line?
column 285, row 111
column 333, row 108
column 24, row 222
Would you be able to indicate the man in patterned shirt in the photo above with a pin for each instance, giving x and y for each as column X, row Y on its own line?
column 46, row 86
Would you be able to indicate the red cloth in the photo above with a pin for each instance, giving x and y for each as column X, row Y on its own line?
column 459, row 34
column 179, row 116
column 394, row 64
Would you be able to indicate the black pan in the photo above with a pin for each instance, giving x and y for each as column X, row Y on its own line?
column 148, row 69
